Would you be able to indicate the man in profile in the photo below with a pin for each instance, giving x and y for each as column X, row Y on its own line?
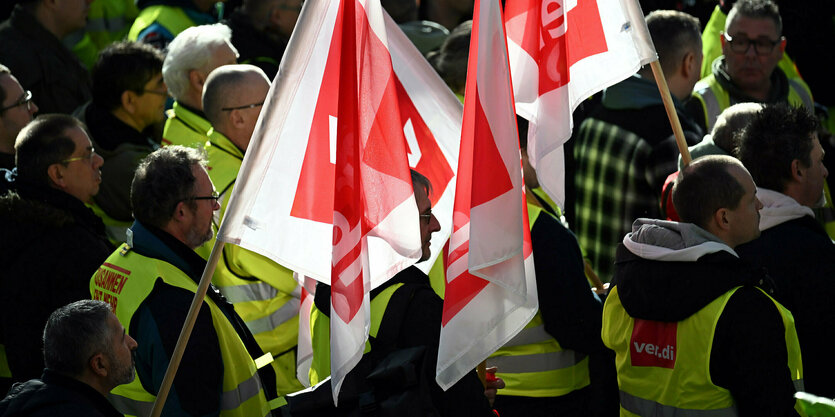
column 692, row 326
column 87, row 353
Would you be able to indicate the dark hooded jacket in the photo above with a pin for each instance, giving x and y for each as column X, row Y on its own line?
column 50, row 246
column 748, row 356
column 55, row 395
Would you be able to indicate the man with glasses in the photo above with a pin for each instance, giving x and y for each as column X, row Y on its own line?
column 150, row 282
column 752, row 46
column 263, row 292
column 16, row 110
column 128, row 104
column 51, row 242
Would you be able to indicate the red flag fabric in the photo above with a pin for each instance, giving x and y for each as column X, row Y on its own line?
column 325, row 188
column 561, row 52
column 491, row 288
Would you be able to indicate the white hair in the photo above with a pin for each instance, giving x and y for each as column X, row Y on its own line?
column 192, row 49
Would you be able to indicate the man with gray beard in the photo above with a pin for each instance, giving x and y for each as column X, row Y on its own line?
column 87, row 353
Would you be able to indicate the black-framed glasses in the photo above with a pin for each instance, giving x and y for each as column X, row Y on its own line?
column 248, row 106
column 215, row 196
column 426, row 216
column 87, row 158
column 740, row 45
column 26, row 99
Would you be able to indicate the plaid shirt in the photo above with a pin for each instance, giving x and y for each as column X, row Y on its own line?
column 618, row 179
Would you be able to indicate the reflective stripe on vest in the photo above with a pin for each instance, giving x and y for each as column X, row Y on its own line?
column 642, row 407
column 125, row 280
column 257, row 291
column 532, row 363
column 289, row 310
column 537, row 362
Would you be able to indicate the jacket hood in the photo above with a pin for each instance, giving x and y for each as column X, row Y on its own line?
column 779, row 208
column 667, row 271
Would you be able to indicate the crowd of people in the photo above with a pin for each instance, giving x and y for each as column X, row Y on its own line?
column 123, row 128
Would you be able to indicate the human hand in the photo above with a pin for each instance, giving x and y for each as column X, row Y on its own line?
column 492, row 384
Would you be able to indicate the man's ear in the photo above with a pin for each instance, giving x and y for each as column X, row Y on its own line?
column 196, row 79
column 236, row 118
column 181, row 211
column 56, row 174
column 99, row 364
column 688, row 65
column 798, row 172
column 720, row 219
column 128, row 100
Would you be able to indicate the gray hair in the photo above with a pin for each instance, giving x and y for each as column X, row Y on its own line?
column 192, row 49
column 162, row 180
column 74, row 333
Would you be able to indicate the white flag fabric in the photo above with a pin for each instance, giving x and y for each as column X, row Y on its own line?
column 561, row 52
column 304, row 351
column 490, row 285
column 325, row 188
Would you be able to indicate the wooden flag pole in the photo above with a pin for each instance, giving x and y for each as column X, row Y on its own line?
column 661, row 81
column 185, row 333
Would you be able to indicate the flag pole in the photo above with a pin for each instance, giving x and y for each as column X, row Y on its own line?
column 671, row 111
column 185, row 333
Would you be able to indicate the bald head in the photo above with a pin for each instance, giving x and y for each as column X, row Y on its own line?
column 232, row 99
column 733, row 120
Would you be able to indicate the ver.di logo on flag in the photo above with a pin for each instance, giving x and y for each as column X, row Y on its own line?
column 653, row 343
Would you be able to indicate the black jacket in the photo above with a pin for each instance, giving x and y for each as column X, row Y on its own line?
column 422, row 327
column 57, row 79
column 50, row 246
column 55, row 395
column 800, row 257
column 254, row 47
column 748, row 355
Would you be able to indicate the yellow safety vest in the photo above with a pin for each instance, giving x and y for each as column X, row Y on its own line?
column 184, row 127
column 715, row 99
column 174, row 19
column 116, row 230
column 533, row 364
column 264, row 293
column 320, row 367
column 669, row 373
column 124, row 281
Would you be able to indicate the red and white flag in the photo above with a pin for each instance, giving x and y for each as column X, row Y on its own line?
column 325, row 188
column 561, row 52
column 491, row 287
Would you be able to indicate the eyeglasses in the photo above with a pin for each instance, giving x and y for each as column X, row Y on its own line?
column 426, row 216
column 248, row 106
column 26, row 99
column 740, row 45
column 215, row 196
column 87, row 158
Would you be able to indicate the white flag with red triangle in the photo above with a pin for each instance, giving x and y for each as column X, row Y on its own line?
column 325, row 188
column 561, row 52
column 490, row 284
